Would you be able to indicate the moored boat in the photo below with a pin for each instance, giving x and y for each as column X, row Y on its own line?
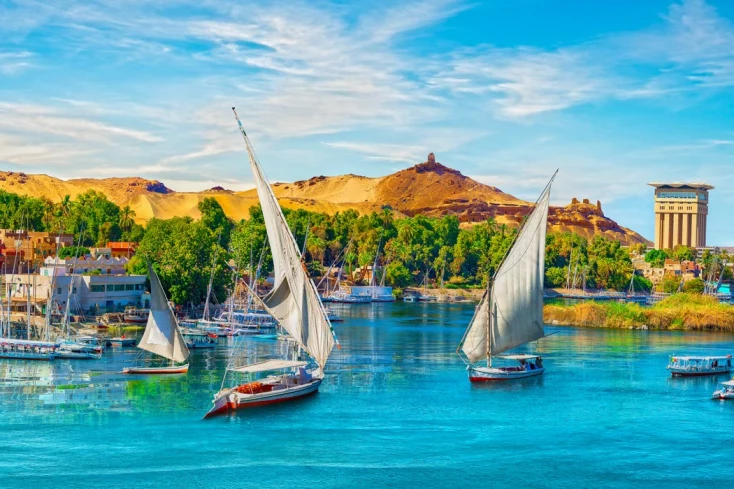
column 135, row 315
column 695, row 366
column 121, row 341
column 27, row 350
column 510, row 313
column 294, row 303
column 162, row 336
column 725, row 391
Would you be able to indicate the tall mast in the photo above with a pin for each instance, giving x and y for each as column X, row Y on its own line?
column 211, row 279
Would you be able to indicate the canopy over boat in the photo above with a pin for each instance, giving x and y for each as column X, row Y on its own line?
column 293, row 301
column 695, row 358
column 728, row 383
column 519, row 357
column 162, row 335
column 269, row 365
column 511, row 310
column 12, row 341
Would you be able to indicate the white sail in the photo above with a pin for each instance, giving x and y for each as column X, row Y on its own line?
column 293, row 301
column 474, row 345
column 511, row 313
column 162, row 335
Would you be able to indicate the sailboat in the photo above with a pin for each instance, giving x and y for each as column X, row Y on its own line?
column 510, row 313
column 294, row 302
column 162, row 335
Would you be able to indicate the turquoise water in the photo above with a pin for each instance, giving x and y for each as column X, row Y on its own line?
column 396, row 410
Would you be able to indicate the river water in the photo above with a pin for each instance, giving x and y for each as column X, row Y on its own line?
column 395, row 410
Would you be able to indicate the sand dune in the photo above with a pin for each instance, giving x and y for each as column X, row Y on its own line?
column 429, row 188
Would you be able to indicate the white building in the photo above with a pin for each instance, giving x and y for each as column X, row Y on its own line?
column 84, row 265
column 90, row 294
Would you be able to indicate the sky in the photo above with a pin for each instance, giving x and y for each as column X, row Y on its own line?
column 613, row 94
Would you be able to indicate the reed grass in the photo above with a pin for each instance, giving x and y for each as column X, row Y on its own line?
column 687, row 311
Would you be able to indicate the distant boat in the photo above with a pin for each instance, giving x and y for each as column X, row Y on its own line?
column 162, row 335
column 691, row 366
column 344, row 297
column 725, row 391
column 121, row 341
column 294, row 302
column 410, row 298
column 333, row 317
column 135, row 315
column 510, row 313
column 27, row 350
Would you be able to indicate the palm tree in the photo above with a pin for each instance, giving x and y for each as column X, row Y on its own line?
column 127, row 218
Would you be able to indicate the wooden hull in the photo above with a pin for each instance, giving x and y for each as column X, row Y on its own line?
column 231, row 400
column 484, row 374
column 174, row 369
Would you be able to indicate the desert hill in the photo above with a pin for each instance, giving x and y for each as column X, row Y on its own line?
column 428, row 188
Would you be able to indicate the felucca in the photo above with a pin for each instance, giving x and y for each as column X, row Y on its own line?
column 162, row 335
column 295, row 304
column 510, row 313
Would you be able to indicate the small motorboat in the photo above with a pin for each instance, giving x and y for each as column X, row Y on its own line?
column 334, row 317
column 200, row 341
column 725, row 391
column 66, row 352
column 691, row 366
column 409, row 298
column 135, row 315
column 529, row 366
column 121, row 341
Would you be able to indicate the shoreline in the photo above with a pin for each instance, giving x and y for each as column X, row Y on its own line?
column 680, row 312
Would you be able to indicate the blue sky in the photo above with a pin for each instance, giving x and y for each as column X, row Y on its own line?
column 615, row 94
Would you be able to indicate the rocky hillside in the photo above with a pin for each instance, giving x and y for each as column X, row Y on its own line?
column 428, row 188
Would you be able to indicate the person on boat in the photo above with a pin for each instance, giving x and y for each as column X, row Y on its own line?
column 304, row 376
column 538, row 362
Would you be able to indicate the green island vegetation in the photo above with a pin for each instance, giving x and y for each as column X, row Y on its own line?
column 413, row 251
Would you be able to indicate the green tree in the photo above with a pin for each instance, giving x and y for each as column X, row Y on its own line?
column 127, row 218
column 214, row 219
column 398, row 275
column 656, row 258
column 181, row 251
column 695, row 286
column 73, row 252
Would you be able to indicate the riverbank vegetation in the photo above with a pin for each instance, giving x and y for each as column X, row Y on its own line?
column 683, row 311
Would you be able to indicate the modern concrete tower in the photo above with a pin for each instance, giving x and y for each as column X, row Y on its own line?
column 680, row 214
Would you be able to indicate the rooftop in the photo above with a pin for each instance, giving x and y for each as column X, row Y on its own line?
column 692, row 185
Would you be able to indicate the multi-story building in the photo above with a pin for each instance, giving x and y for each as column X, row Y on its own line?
column 680, row 214
column 90, row 294
column 27, row 249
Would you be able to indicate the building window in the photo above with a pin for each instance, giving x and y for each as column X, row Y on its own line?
column 119, row 287
column 138, row 286
column 58, row 291
column 97, row 288
column 129, row 286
